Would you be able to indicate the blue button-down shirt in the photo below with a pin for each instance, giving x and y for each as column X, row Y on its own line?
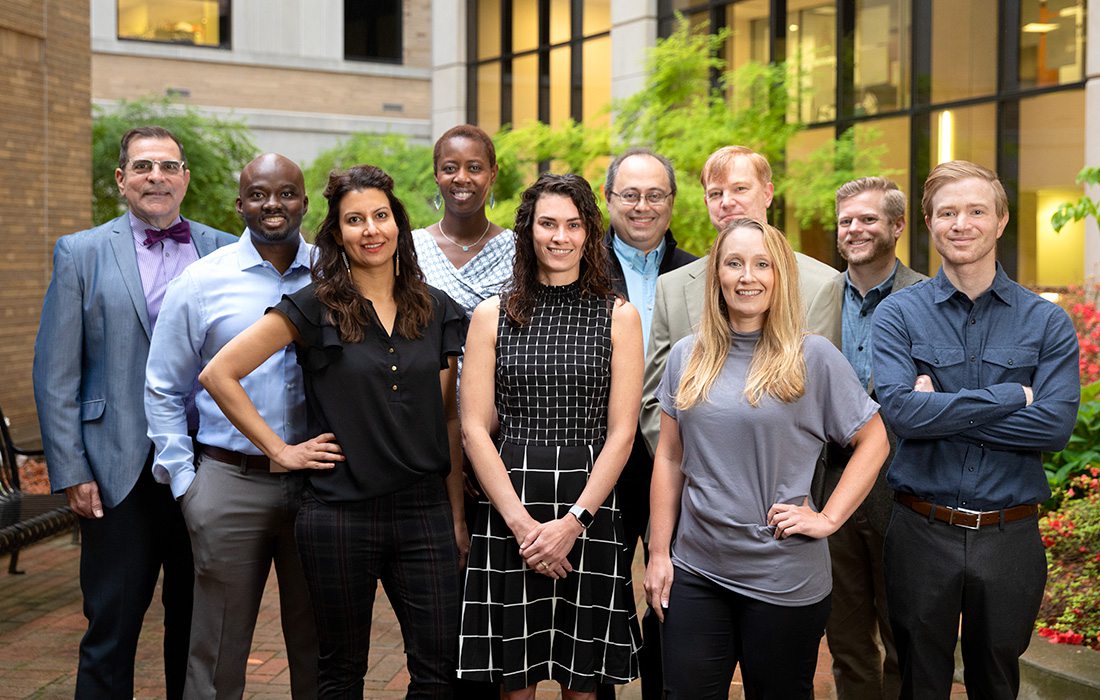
column 856, row 315
column 972, row 443
column 205, row 307
column 640, row 272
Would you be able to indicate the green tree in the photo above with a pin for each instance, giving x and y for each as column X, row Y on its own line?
column 216, row 149
column 409, row 164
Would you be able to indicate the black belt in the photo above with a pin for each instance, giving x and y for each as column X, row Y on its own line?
column 961, row 517
column 247, row 463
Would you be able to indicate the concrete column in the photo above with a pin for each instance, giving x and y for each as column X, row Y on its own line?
column 449, row 36
column 633, row 32
column 1092, row 142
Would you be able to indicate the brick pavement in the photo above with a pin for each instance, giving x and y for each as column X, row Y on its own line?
column 41, row 624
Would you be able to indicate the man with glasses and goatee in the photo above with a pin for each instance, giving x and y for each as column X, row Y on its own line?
column 89, row 377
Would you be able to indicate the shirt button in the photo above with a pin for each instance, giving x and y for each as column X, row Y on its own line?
column 971, row 468
column 393, row 368
column 971, row 422
column 973, row 321
column 860, row 348
column 394, row 387
column 1010, row 363
column 972, row 358
column 392, row 350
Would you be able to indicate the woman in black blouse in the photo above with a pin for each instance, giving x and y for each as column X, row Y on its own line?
column 378, row 351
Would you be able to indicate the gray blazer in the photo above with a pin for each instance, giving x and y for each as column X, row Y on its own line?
column 89, row 359
column 677, row 309
column 824, row 318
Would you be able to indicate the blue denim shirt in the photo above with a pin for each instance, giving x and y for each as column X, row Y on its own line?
column 856, row 315
column 972, row 443
column 640, row 272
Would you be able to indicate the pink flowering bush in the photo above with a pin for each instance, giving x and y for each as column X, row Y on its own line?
column 1070, row 612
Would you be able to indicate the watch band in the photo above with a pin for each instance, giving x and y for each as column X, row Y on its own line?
column 583, row 516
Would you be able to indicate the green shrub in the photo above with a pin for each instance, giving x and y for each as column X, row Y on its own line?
column 1083, row 449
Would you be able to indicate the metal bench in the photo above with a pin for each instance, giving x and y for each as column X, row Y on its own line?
column 26, row 518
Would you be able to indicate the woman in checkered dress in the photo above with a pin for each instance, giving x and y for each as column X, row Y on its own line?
column 548, row 593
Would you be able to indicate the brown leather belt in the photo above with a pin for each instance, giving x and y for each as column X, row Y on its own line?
column 247, row 463
column 961, row 517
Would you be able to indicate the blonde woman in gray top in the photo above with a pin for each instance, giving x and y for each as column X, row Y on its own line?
column 747, row 404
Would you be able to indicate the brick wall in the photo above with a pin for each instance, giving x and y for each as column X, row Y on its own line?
column 45, row 173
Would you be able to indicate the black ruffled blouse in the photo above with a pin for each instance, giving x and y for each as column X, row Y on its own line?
column 380, row 397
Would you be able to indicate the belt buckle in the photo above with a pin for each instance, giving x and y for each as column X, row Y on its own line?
column 977, row 518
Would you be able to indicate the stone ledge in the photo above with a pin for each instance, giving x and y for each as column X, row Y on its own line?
column 1058, row 671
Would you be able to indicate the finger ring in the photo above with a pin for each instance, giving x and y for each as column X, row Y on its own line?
column 543, row 565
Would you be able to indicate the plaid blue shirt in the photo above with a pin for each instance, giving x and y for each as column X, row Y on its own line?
column 972, row 443
column 856, row 315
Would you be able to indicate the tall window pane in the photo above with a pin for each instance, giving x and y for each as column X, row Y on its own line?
column 893, row 134
column 964, row 49
column 488, row 96
column 561, row 21
column 814, row 240
column 525, row 25
column 488, row 28
column 811, row 55
column 1052, row 42
column 882, row 51
column 597, row 80
column 748, row 25
column 525, row 89
column 560, row 92
column 597, row 17
column 1052, row 147
column 195, row 22
column 372, row 30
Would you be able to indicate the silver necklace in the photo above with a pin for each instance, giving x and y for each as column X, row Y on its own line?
column 465, row 248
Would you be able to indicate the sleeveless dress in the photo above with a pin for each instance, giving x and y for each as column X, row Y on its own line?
column 553, row 378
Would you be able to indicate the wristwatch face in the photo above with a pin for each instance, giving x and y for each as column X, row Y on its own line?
column 583, row 516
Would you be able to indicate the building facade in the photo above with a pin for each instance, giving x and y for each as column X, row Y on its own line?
column 1011, row 84
column 301, row 74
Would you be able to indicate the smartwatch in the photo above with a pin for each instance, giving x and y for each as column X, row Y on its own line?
column 583, row 516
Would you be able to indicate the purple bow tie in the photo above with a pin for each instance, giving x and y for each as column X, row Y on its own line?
column 180, row 233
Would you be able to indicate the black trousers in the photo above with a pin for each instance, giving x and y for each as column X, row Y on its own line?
column 709, row 630
column 632, row 492
column 993, row 578
column 121, row 556
column 405, row 540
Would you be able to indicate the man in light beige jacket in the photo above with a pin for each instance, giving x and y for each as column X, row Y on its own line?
column 737, row 182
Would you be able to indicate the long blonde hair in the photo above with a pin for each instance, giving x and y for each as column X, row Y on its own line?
column 778, row 368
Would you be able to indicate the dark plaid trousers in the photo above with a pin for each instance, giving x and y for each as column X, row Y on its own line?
column 406, row 541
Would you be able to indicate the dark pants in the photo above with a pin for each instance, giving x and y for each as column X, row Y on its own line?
column 121, row 556
column 865, row 662
column 709, row 630
column 993, row 578
column 406, row 540
column 632, row 492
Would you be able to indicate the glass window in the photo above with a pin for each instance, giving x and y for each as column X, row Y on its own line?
column 372, row 30
column 748, row 25
column 596, row 89
column 525, row 89
column 525, row 25
column 560, row 91
column 814, row 241
column 882, row 50
column 488, row 28
column 1052, row 147
column 597, row 17
column 1052, row 42
column 811, row 55
column 561, row 21
column 964, row 49
column 195, row 22
column 488, row 96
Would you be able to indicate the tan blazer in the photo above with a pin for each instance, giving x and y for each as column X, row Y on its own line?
column 677, row 309
column 824, row 318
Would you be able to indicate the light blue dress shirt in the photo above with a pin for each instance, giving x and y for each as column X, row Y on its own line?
column 204, row 308
column 856, row 315
column 640, row 272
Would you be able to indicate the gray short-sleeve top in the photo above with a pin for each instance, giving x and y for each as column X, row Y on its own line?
column 739, row 460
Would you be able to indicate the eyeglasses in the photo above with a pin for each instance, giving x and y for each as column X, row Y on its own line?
column 144, row 166
column 632, row 197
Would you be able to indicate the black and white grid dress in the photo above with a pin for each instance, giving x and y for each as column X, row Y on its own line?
column 553, row 378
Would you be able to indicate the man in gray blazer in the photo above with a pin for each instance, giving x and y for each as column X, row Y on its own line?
column 737, row 182
column 870, row 218
column 89, row 377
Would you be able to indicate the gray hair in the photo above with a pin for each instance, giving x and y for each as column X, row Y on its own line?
column 613, row 168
